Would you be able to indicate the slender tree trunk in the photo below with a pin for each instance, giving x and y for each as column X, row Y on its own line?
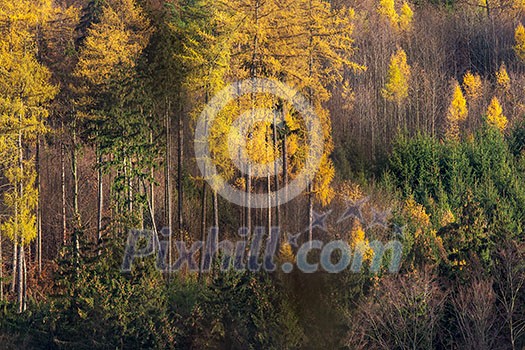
column 167, row 187
column 76, row 210
column 269, row 199
column 203, row 224
column 150, row 209
column 24, row 280
column 100, row 198
column 247, row 214
column 63, row 190
column 151, row 184
column 215, row 209
column 20, row 279
column 310, row 213
column 19, row 246
column 285, row 171
column 38, row 210
column 276, row 169
column 15, row 258
column 127, row 176
column 180, row 155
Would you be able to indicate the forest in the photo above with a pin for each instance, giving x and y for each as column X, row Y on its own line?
column 262, row 174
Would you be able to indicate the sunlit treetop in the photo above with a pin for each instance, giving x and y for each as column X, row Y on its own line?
column 502, row 78
column 396, row 87
column 519, row 37
column 495, row 115
column 473, row 86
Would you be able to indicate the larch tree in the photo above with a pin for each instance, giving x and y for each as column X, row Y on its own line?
column 406, row 17
column 457, row 113
column 25, row 91
column 473, row 86
column 495, row 115
column 502, row 79
column 398, row 79
column 324, row 54
column 519, row 37
column 204, row 34
column 387, row 9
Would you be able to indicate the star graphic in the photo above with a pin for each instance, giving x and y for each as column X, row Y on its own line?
column 292, row 239
column 379, row 218
column 399, row 231
column 354, row 210
column 319, row 220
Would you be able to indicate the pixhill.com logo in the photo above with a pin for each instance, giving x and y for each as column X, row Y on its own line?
column 259, row 250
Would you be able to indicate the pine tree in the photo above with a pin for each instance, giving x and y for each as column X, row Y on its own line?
column 111, row 99
column 396, row 87
column 495, row 115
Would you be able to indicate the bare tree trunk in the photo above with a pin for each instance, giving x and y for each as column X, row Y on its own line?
column 269, row 199
column 24, row 280
column 247, row 214
column 167, row 187
column 285, row 170
column 127, row 176
column 310, row 213
column 100, row 198
column 180, row 155
column 76, row 210
column 38, row 210
column 63, row 190
column 20, row 280
column 203, row 224
column 15, row 258
column 215, row 209
column 276, row 169
column 19, row 248
column 151, row 184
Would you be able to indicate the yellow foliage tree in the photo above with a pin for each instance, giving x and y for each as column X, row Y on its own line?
column 502, row 78
column 519, row 37
column 358, row 241
column 495, row 115
column 25, row 91
column 473, row 86
column 396, row 87
column 457, row 112
column 406, row 17
column 387, row 9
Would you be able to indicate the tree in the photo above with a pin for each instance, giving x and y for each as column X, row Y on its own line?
column 406, row 17
column 457, row 112
column 396, row 87
column 519, row 37
column 473, row 86
column 387, row 9
column 25, row 91
column 502, row 78
column 111, row 100
column 495, row 115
